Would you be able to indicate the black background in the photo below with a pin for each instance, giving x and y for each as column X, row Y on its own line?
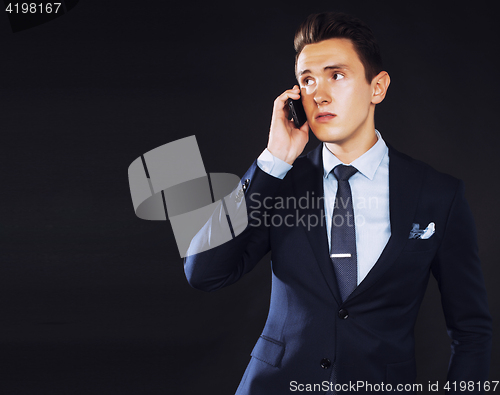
column 94, row 300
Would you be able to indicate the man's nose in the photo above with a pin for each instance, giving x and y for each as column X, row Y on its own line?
column 322, row 94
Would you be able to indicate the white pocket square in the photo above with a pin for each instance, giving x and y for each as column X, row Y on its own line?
column 416, row 233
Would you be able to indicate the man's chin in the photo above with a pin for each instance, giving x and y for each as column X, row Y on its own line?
column 328, row 136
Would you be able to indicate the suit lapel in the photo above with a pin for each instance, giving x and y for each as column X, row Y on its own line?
column 308, row 181
column 405, row 181
column 404, row 186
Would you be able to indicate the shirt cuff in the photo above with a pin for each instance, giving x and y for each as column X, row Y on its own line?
column 272, row 165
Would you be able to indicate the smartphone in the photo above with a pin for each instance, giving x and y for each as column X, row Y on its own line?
column 297, row 112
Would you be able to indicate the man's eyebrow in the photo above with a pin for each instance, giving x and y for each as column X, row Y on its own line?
column 329, row 67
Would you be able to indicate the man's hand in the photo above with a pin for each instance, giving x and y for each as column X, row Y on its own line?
column 286, row 142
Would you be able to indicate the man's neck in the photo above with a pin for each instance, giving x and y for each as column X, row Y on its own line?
column 349, row 151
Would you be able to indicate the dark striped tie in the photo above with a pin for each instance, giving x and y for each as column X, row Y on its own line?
column 343, row 235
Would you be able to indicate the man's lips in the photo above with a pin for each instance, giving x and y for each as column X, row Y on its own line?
column 325, row 116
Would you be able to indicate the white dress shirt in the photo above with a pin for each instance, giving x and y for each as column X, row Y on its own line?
column 370, row 196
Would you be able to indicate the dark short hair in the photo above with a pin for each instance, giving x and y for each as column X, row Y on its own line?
column 326, row 25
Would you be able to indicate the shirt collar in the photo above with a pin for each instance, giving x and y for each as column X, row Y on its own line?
column 367, row 164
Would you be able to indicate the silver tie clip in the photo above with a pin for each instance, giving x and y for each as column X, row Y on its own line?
column 340, row 255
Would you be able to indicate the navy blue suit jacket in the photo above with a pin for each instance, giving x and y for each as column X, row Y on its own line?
column 311, row 336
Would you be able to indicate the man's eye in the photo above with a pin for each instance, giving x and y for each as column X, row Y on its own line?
column 338, row 76
column 308, row 81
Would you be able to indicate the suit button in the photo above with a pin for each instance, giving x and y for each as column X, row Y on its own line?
column 325, row 363
column 343, row 314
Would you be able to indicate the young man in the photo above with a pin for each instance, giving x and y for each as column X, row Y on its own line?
column 355, row 228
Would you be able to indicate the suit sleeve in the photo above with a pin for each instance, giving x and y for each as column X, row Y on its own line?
column 463, row 296
column 223, row 265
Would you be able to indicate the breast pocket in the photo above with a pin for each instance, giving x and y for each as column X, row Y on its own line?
column 421, row 245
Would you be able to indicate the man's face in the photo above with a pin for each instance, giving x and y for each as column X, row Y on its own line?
column 336, row 96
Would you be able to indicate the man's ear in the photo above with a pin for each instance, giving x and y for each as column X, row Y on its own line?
column 380, row 84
